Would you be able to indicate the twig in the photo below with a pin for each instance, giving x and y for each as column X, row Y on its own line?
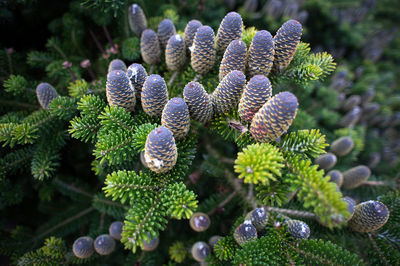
column 96, row 41
column 101, row 220
column 223, row 203
column 152, row 67
column 108, row 36
column 296, row 213
column 214, row 153
column 250, row 196
column 371, row 239
column 197, row 77
column 172, row 79
column 15, row 103
column 375, row 183
column 8, row 53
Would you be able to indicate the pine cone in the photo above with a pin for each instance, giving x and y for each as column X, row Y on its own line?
column 190, row 31
column 175, row 53
column 175, row 117
column 257, row 92
column 137, row 74
column 203, row 53
column 336, row 177
column 150, row 47
column 245, row 232
column 234, row 58
column 200, row 251
column 166, row 29
column 137, row 19
column 261, row 54
column 355, row 176
column 83, row 247
column 227, row 95
column 104, row 244
column 115, row 230
column 275, row 117
column 369, row 216
column 152, row 244
column 116, row 64
column 154, row 95
column 298, row 229
column 342, row 146
column 258, row 218
column 231, row 28
column 45, row 94
column 160, row 151
column 200, row 222
column 326, row 161
column 198, row 102
column 119, row 90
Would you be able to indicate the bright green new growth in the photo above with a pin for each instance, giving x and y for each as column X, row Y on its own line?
column 259, row 163
column 177, row 252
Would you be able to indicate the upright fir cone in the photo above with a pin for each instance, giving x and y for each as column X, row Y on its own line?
column 203, row 50
column 275, row 117
column 256, row 93
column 175, row 53
column 154, row 95
column 83, row 247
column 137, row 74
column 298, row 229
column 355, row 176
column 152, row 244
column 150, row 47
column 137, row 19
column 245, row 232
column 258, row 218
column 231, row 28
column 190, row 31
column 200, row 251
column 326, row 161
column 234, row 58
column 45, row 94
column 116, row 64
column 227, row 95
column 198, row 102
column 286, row 40
column 369, row 216
column 351, row 204
column 351, row 118
column 104, row 244
column 175, row 117
column 336, row 177
column 119, row 90
column 342, row 146
column 166, row 29
column 261, row 54
column 160, row 152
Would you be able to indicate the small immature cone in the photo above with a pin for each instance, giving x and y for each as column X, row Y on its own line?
column 115, row 230
column 200, row 222
column 336, row 177
column 369, row 216
column 245, row 232
column 234, row 58
column 160, row 152
column 351, row 204
column 231, row 28
column 261, row 53
column 154, row 95
column 355, row 176
column 137, row 74
column 198, row 102
column 203, row 51
column 342, row 146
column 258, row 218
column 298, row 229
column 274, row 117
column 286, row 40
column 165, row 30
column 83, row 247
column 104, row 244
column 116, row 64
column 370, row 109
column 45, row 94
column 190, row 31
column 119, row 90
column 326, row 161
column 351, row 102
column 256, row 93
column 227, row 95
column 150, row 47
column 137, row 19
column 351, row 118
column 175, row 53
column 200, row 251
column 175, row 117
column 151, row 244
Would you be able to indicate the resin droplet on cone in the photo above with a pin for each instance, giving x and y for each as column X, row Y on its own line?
column 355, row 176
column 256, row 93
column 274, row 118
column 261, row 54
column 160, row 151
column 166, row 29
column 286, row 40
column 227, row 95
column 175, row 53
column 137, row 19
column 137, row 74
column 175, row 117
column 369, row 216
column 150, row 47
column 198, row 102
column 234, row 58
column 83, row 247
column 154, row 95
column 190, row 31
column 230, row 29
column 203, row 54
column 119, row 90
column 45, row 94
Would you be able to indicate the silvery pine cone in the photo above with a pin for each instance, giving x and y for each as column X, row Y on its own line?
column 83, row 247
column 231, row 28
column 245, row 232
column 351, row 102
column 198, row 102
column 234, row 58
column 256, row 93
column 286, row 40
column 160, row 152
column 45, row 94
column 298, row 229
column 119, row 90
column 369, row 216
column 116, row 64
column 203, row 54
column 115, row 230
column 151, row 244
column 190, row 31
column 336, row 177
column 166, row 29
column 150, row 47
column 355, row 176
column 175, row 53
column 200, row 222
column 137, row 74
column 261, row 54
column 175, row 117
column 326, row 161
column 227, row 95
column 258, row 218
column 137, row 19
column 351, row 118
column 200, row 251
column 104, row 244
column 154, row 95
column 275, row 117
column 342, row 146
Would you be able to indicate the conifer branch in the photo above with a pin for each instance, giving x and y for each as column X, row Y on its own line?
column 296, row 213
column 224, row 202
